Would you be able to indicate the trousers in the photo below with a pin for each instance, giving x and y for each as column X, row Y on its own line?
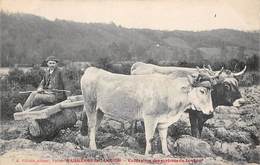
column 36, row 98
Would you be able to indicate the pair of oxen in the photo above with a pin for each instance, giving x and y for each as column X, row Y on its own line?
column 158, row 96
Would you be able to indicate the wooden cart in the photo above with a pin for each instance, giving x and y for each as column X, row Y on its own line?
column 46, row 121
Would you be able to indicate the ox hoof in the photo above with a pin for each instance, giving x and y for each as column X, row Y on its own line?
column 148, row 153
column 167, row 153
column 93, row 147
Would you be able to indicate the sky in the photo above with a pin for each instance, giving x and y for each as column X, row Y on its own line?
column 195, row 15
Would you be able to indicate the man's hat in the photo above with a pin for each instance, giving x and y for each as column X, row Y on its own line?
column 51, row 58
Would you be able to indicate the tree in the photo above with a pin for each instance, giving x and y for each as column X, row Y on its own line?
column 152, row 61
column 253, row 62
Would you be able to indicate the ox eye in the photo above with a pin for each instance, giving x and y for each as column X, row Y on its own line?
column 202, row 91
column 227, row 86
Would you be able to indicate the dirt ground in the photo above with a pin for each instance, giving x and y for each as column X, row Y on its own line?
column 230, row 137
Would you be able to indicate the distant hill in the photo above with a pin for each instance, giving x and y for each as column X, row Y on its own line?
column 29, row 39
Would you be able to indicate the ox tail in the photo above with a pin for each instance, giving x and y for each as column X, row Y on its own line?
column 87, row 84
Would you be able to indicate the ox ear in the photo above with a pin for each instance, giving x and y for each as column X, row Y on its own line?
column 192, row 79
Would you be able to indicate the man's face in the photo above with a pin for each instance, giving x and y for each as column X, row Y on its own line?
column 52, row 64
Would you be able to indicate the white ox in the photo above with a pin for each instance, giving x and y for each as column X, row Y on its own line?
column 158, row 100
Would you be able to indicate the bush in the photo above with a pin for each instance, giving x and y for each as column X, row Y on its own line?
column 15, row 82
column 151, row 61
column 34, row 76
column 104, row 63
column 249, row 79
column 9, row 98
column 72, row 78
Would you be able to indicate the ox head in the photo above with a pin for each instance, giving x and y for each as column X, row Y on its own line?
column 225, row 91
column 200, row 95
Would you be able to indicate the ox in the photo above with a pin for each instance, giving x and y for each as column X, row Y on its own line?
column 225, row 91
column 153, row 99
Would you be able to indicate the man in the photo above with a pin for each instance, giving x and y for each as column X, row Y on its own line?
column 50, row 90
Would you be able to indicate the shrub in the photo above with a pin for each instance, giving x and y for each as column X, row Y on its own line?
column 34, row 76
column 72, row 78
column 249, row 79
column 9, row 98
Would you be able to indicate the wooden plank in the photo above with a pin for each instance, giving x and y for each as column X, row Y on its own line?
column 29, row 115
column 42, row 114
column 39, row 113
column 71, row 104
column 75, row 98
column 36, row 108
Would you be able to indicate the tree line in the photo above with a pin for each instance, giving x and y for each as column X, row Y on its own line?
column 29, row 39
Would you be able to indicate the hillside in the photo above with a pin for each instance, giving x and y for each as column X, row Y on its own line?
column 29, row 39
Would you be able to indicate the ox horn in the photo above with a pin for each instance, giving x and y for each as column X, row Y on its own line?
column 217, row 73
column 198, row 68
column 240, row 73
column 221, row 70
column 210, row 68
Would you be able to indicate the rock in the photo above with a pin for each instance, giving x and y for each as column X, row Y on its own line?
column 216, row 122
column 253, row 156
column 107, row 139
column 78, row 124
column 130, row 142
column 139, row 126
column 140, row 138
column 224, row 116
column 69, row 145
column 193, row 147
column 207, row 134
column 82, row 140
column 31, row 155
column 179, row 128
column 231, row 151
column 256, row 121
column 233, row 136
column 257, row 138
column 239, row 125
column 111, row 126
column 170, row 144
column 10, row 133
column 7, row 145
column 67, row 135
column 127, row 127
column 156, row 145
column 49, row 145
column 65, row 149
column 226, row 110
column 185, row 119
column 122, row 153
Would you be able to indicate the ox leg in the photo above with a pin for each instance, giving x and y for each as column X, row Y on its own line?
column 194, row 119
column 201, row 122
column 163, row 135
column 133, row 127
column 92, row 120
column 150, row 125
column 100, row 116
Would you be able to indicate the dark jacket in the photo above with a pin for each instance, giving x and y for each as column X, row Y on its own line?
column 54, row 81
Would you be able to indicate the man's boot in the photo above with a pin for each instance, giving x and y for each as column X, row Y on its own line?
column 19, row 108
